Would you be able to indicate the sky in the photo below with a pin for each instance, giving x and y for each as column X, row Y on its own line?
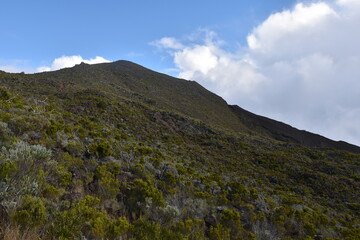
column 291, row 60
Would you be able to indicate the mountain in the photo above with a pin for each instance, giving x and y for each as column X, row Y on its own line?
column 193, row 100
column 133, row 81
column 117, row 151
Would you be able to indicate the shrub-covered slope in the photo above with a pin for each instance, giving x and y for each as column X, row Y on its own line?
column 127, row 79
column 84, row 158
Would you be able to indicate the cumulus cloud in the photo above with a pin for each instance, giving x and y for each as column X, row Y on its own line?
column 167, row 42
column 300, row 66
column 279, row 35
column 217, row 70
column 70, row 61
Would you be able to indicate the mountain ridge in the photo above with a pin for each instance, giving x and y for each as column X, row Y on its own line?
column 187, row 97
column 285, row 132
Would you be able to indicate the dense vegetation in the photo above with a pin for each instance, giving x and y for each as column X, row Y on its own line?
column 87, row 163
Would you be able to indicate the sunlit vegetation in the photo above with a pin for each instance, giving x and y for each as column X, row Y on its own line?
column 87, row 164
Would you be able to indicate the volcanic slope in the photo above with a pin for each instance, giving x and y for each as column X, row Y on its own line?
column 117, row 151
column 130, row 80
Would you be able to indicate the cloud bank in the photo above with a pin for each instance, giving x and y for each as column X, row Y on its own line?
column 300, row 66
column 70, row 61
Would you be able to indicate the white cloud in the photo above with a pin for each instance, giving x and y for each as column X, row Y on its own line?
column 10, row 68
column 281, row 30
column 301, row 66
column 197, row 58
column 59, row 63
column 219, row 71
column 167, row 42
column 70, row 61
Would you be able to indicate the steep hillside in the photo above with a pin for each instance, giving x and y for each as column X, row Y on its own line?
column 116, row 151
column 127, row 79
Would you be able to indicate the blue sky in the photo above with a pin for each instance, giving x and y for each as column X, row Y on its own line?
column 294, row 61
column 34, row 33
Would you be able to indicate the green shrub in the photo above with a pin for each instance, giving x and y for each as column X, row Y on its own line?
column 219, row 232
column 113, row 167
column 108, row 185
column 191, row 229
column 4, row 94
column 156, row 161
column 99, row 226
column 74, row 148
column 146, row 230
column 51, row 192
column 101, row 149
column 7, row 170
column 351, row 234
column 231, row 219
column 309, row 229
column 143, row 150
column 170, row 179
column 140, row 192
column 32, row 212
column 83, row 218
column 26, row 124
column 64, row 176
column 118, row 228
column 54, row 127
column 238, row 193
column 70, row 162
